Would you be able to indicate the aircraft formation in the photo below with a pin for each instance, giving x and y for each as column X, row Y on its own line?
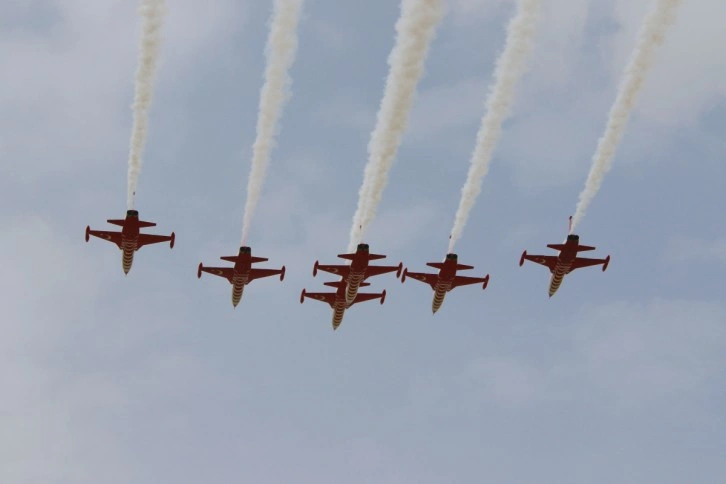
column 353, row 275
column 415, row 30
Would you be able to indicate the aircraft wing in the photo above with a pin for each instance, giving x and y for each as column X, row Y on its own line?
column 361, row 297
column 114, row 237
column 465, row 280
column 580, row 262
column 260, row 273
column 226, row 272
column 146, row 239
column 430, row 279
column 338, row 270
column 378, row 270
column 549, row 261
column 326, row 297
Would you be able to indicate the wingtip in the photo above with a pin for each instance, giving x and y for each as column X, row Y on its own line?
column 88, row 232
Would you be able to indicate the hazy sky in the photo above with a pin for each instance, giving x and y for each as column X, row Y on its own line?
column 154, row 377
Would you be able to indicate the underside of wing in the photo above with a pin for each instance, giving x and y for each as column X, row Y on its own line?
column 146, row 239
column 226, row 272
column 361, row 297
column 581, row 262
column 260, row 273
column 372, row 271
column 326, row 297
column 430, row 279
column 548, row 261
column 338, row 270
column 465, row 281
column 114, row 237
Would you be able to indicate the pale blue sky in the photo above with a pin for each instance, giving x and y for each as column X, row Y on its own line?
column 154, row 377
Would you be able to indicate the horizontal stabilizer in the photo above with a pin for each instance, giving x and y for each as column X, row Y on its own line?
column 559, row 247
column 364, row 284
column 259, row 259
column 120, row 223
column 463, row 267
column 582, row 248
column 146, row 224
column 347, row 256
column 435, row 265
column 335, row 283
column 229, row 258
column 376, row 256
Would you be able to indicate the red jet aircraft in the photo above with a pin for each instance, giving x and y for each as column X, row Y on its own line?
column 129, row 240
column 446, row 279
column 242, row 273
column 358, row 270
column 566, row 262
column 338, row 301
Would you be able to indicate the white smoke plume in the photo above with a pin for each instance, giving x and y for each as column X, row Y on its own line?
column 511, row 66
column 280, row 52
column 152, row 13
column 415, row 30
column 651, row 35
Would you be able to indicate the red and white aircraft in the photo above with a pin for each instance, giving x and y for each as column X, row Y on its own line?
column 242, row 273
column 566, row 262
column 129, row 240
column 446, row 279
column 358, row 270
column 337, row 299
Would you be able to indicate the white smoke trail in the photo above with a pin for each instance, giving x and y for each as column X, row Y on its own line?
column 511, row 66
column 415, row 30
column 280, row 52
column 651, row 35
column 152, row 13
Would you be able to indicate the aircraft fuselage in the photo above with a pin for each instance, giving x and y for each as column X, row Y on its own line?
column 129, row 241
column 567, row 256
column 443, row 285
